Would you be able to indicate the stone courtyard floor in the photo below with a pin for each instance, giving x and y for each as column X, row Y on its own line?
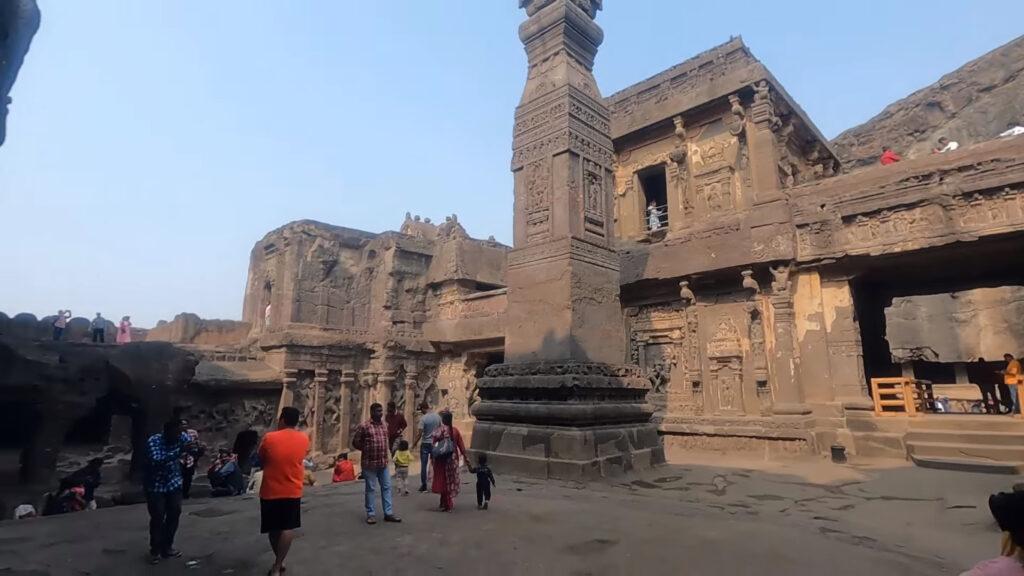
column 702, row 516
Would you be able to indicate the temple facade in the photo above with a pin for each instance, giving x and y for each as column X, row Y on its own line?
column 754, row 303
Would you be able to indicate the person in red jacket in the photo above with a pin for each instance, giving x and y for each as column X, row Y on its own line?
column 888, row 156
column 343, row 469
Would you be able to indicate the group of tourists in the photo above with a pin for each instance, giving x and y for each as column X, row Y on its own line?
column 1005, row 381
column 944, row 144
column 98, row 327
column 282, row 458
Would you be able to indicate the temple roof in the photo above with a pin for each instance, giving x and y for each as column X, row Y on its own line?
column 712, row 74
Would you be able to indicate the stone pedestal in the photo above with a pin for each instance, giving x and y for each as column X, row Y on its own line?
column 573, row 421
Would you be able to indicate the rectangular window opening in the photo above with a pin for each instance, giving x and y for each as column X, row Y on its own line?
column 654, row 183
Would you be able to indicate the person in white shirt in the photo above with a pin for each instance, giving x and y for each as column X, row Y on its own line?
column 1012, row 130
column 945, row 145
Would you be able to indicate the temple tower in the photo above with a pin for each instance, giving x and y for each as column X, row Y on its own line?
column 563, row 404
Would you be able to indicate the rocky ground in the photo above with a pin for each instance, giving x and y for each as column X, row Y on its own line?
column 702, row 516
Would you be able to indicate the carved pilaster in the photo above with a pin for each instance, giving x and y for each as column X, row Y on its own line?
column 762, row 145
column 788, row 396
column 350, row 406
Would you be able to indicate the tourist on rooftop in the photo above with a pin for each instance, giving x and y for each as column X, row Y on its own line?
column 396, row 426
column 1012, row 129
column 428, row 423
column 945, row 145
column 99, row 328
column 371, row 438
column 653, row 216
column 1011, row 376
column 1008, row 510
column 60, row 323
column 888, row 156
column 163, row 488
column 124, row 330
column 282, row 453
column 447, row 450
column 986, row 380
column 344, row 471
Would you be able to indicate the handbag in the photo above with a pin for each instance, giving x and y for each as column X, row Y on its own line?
column 442, row 448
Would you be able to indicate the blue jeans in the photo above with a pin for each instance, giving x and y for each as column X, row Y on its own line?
column 372, row 478
column 1016, row 400
column 425, row 448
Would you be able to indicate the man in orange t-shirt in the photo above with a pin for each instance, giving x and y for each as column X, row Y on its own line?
column 281, row 454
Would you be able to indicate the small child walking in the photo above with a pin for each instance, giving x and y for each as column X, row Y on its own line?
column 403, row 458
column 484, row 480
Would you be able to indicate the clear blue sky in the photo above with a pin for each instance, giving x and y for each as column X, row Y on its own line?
column 151, row 143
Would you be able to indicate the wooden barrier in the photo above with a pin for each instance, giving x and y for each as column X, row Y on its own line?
column 894, row 394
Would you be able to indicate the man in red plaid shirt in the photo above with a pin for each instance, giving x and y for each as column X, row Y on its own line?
column 371, row 438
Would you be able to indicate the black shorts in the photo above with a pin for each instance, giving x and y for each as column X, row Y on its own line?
column 279, row 515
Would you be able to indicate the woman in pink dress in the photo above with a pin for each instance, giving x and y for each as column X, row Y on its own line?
column 124, row 331
column 1008, row 510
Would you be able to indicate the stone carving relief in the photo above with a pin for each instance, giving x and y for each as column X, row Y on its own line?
column 725, row 341
column 538, row 200
column 727, row 379
column 593, row 197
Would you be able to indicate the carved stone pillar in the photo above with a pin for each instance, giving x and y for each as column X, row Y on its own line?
column 318, row 395
column 845, row 352
column 789, row 398
column 412, row 379
column 349, row 384
column 368, row 389
column 288, row 382
column 763, row 155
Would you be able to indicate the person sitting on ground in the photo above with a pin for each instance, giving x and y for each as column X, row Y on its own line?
column 308, row 468
column 1008, row 510
column 888, row 156
column 89, row 478
column 403, row 459
column 484, row 481
column 1012, row 129
column 344, row 471
column 945, row 145
column 225, row 476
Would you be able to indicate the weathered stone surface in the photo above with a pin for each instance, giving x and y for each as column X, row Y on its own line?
column 189, row 328
column 958, row 326
column 19, row 20
column 972, row 104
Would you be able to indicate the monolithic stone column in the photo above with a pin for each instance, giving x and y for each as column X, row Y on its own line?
column 288, row 382
column 563, row 405
column 318, row 397
column 348, row 384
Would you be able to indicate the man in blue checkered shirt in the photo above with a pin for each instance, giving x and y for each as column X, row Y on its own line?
column 163, row 488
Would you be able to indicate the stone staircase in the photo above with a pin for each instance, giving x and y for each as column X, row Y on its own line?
column 993, row 444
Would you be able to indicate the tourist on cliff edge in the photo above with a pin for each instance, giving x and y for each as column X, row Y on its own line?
column 371, row 438
column 888, row 156
column 124, row 330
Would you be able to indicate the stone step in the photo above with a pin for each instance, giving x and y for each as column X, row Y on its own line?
column 969, row 465
column 982, row 437
column 868, row 422
column 975, row 423
column 986, row 452
column 879, row 444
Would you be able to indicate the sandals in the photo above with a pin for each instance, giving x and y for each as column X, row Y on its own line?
column 371, row 520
